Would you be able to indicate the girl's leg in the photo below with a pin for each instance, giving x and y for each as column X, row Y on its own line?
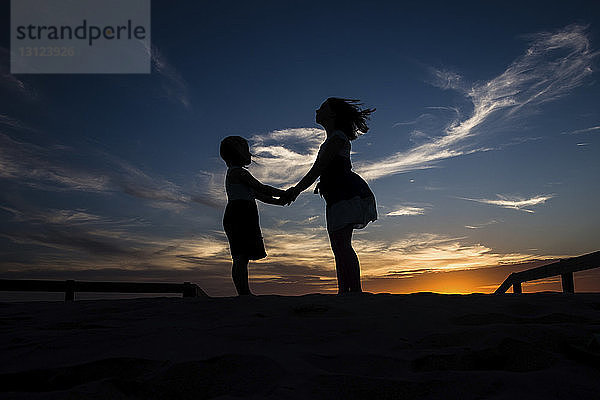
column 239, row 273
column 346, row 260
column 340, row 272
column 351, row 262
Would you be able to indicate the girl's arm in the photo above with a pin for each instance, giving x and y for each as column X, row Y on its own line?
column 326, row 155
column 246, row 178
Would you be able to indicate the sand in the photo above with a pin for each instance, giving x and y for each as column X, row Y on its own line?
column 418, row 346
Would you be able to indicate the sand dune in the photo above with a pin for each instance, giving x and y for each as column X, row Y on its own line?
column 418, row 346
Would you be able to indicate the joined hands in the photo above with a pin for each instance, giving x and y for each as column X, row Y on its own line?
column 289, row 196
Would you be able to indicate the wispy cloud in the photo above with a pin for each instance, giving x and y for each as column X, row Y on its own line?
column 50, row 168
column 14, row 123
column 9, row 81
column 482, row 225
column 515, row 203
column 37, row 166
column 135, row 182
column 53, row 216
column 174, row 85
column 207, row 189
column 593, row 129
column 553, row 65
column 92, row 240
column 74, row 239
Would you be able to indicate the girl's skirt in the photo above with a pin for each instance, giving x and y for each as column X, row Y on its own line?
column 350, row 202
column 242, row 228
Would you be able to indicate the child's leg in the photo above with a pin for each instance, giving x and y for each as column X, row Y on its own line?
column 239, row 273
column 346, row 260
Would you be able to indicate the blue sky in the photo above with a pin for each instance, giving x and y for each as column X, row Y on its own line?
column 483, row 151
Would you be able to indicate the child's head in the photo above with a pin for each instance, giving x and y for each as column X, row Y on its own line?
column 347, row 116
column 235, row 151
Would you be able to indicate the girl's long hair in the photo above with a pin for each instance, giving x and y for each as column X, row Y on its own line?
column 349, row 117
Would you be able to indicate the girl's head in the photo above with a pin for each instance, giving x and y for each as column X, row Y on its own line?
column 345, row 115
column 235, row 151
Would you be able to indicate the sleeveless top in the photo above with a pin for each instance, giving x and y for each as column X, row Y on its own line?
column 237, row 191
column 345, row 150
column 339, row 166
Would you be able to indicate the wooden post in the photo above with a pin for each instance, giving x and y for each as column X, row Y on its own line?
column 567, row 282
column 70, row 290
column 190, row 290
column 517, row 287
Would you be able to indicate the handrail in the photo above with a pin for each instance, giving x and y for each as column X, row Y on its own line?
column 564, row 268
column 187, row 289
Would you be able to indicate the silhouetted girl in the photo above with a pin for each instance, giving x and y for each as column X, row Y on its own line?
column 241, row 214
column 350, row 202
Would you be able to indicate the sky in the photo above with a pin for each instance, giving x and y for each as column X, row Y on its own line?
column 483, row 154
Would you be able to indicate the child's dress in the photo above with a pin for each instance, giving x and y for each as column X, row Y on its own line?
column 349, row 199
column 241, row 221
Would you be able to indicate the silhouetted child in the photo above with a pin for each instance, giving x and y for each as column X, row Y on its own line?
column 241, row 214
column 350, row 203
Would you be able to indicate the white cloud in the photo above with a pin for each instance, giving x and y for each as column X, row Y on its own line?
column 553, row 65
column 282, row 157
column 406, row 210
column 515, row 203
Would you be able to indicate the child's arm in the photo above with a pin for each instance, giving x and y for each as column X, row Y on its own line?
column 259, row 189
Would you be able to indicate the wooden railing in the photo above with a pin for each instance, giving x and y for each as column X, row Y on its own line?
column 70, row 287
column 564, row 268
